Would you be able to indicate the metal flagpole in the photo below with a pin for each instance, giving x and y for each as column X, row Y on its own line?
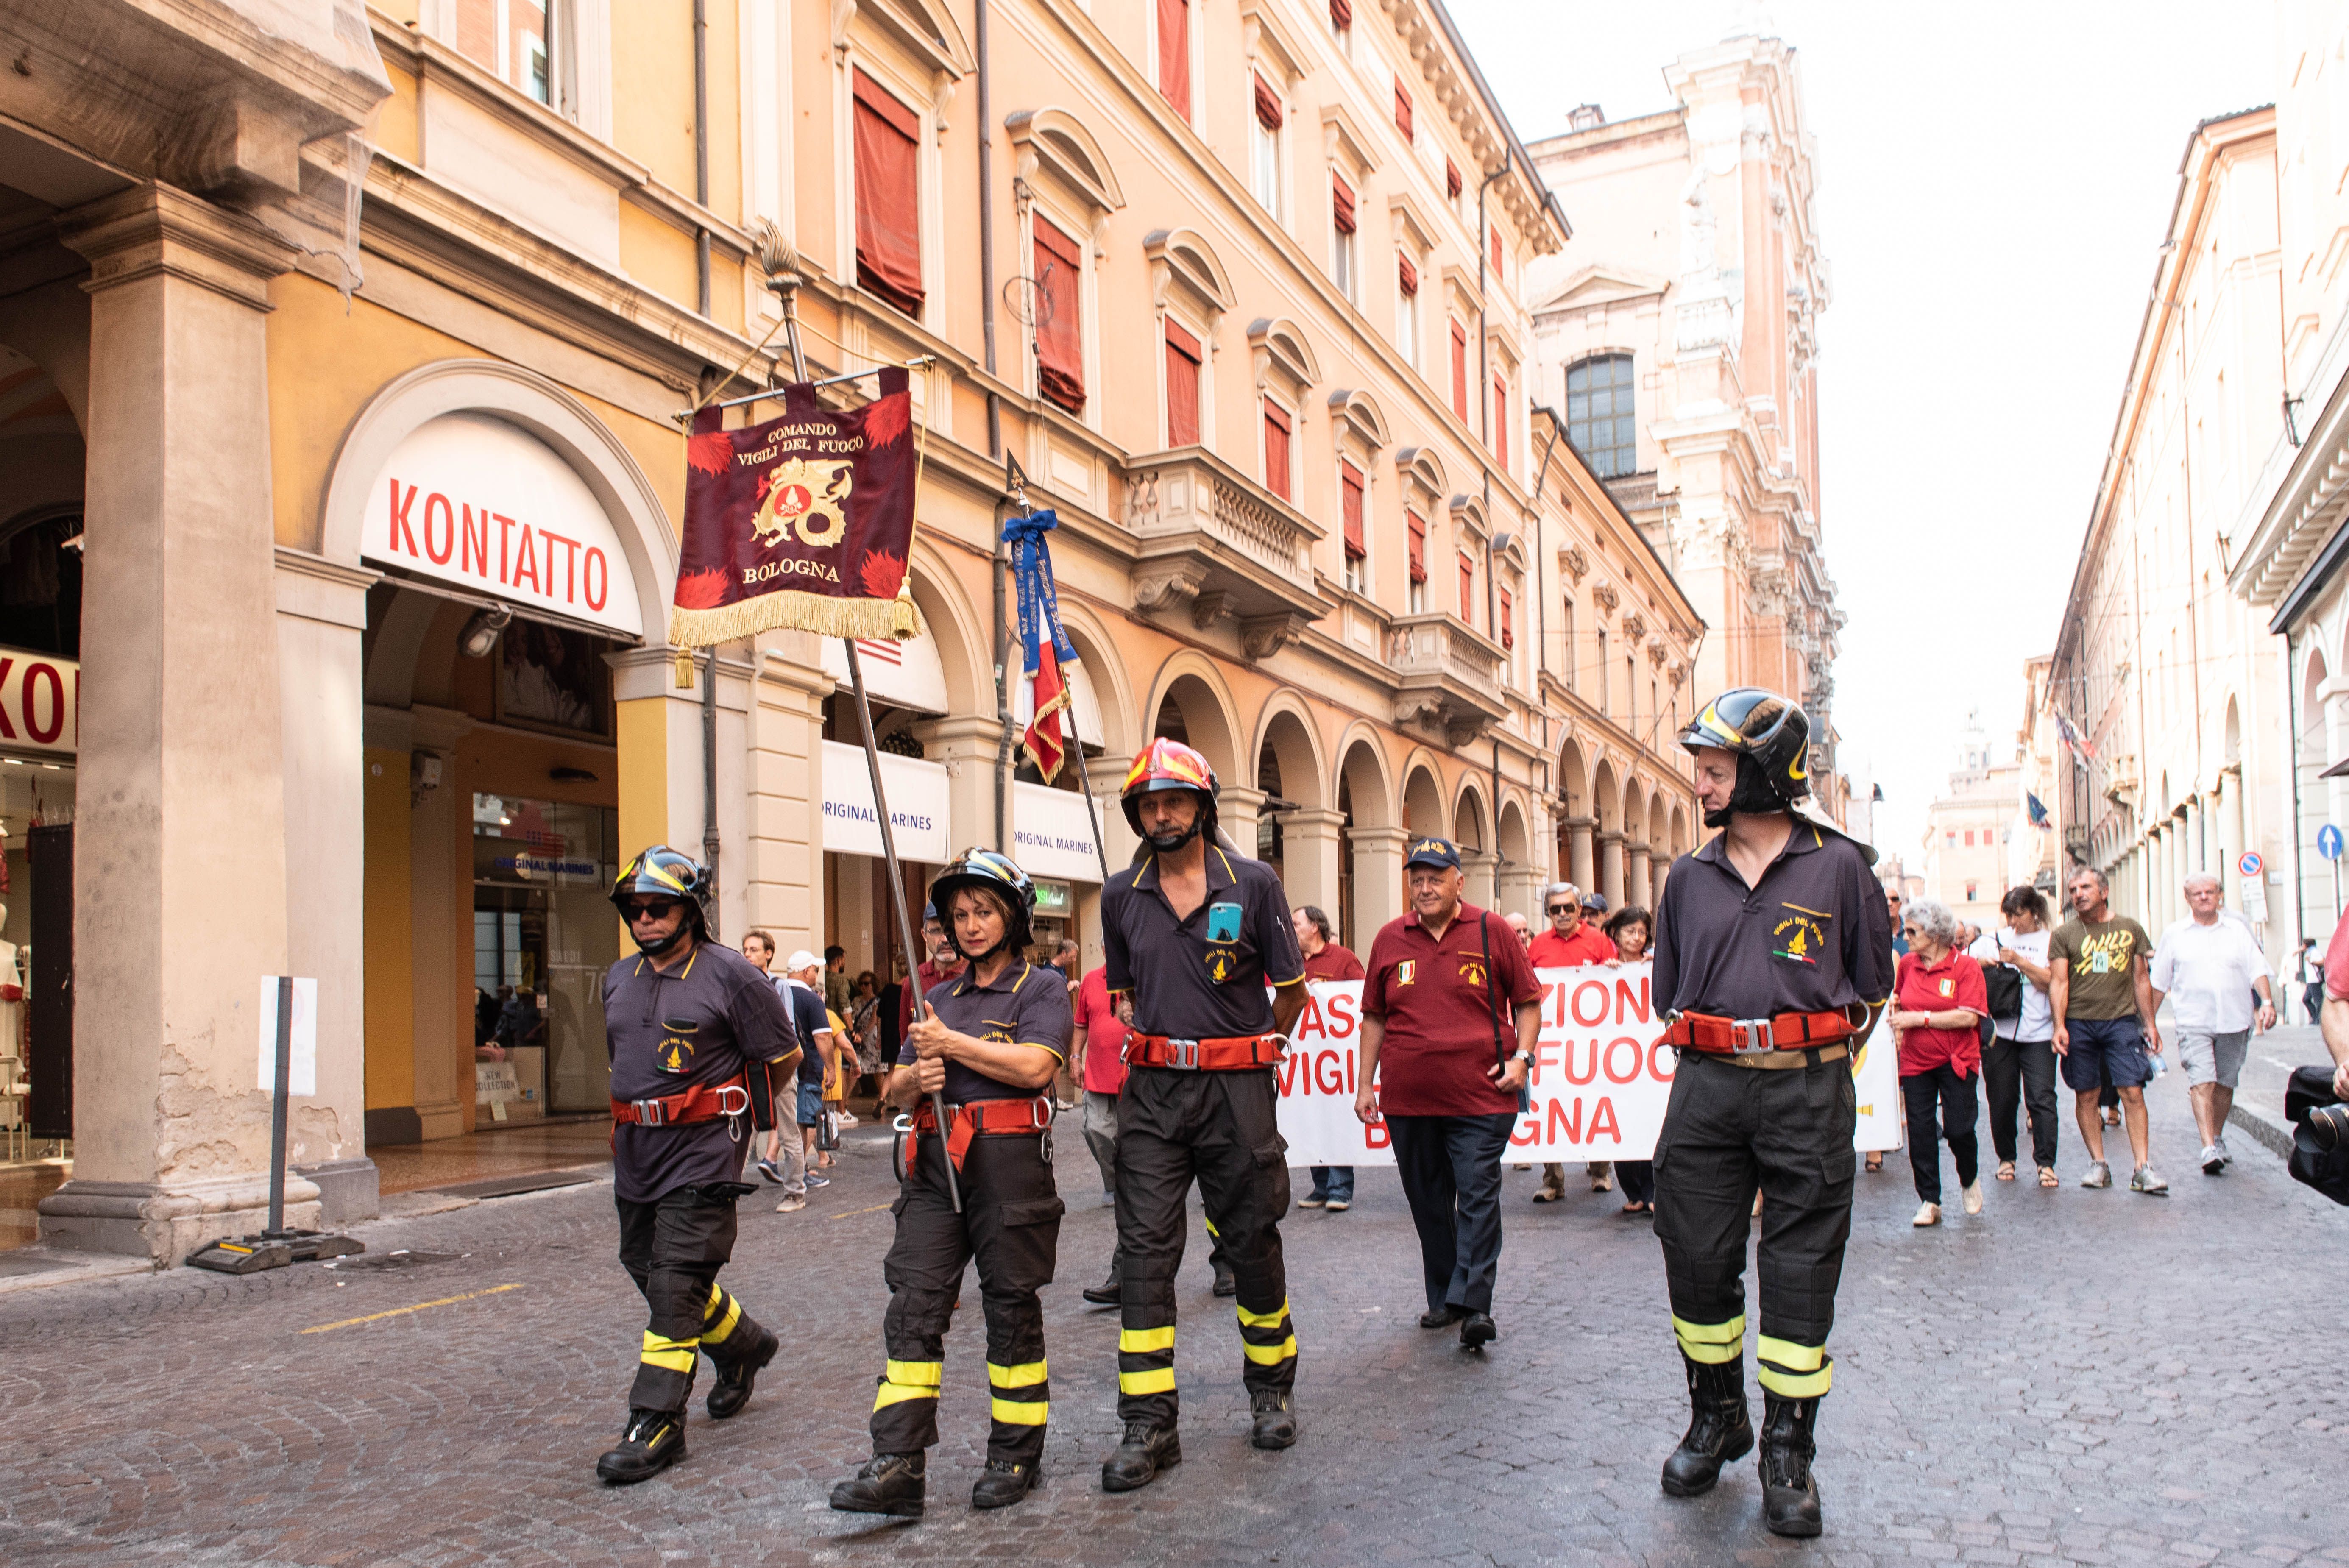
column 786, row 287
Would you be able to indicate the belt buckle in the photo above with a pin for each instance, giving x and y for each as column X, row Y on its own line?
column 651, row 1113
column 1183, row 1054
column 1751, row 1036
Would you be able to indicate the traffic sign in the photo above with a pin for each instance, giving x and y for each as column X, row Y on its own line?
column 2251, row 864
column 2328, row 842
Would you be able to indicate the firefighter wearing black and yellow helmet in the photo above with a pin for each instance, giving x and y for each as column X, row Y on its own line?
column 990, row 1039
column 698, row 1037
column 1192, row 937
column 1772, row 957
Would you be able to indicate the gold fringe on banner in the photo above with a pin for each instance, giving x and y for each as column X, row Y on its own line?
column 879, row 620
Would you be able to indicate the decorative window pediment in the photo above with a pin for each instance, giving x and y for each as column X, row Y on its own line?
column 1054, row 142
column 1182, row 259
column 924, row 26
column 1284, row 360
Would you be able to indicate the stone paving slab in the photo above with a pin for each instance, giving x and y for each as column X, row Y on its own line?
column 2071, row 1378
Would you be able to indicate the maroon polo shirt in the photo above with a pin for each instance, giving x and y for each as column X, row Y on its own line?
column 1588, row 944
column 1921, row 987
column 1440, row 1012
column 1332, row 963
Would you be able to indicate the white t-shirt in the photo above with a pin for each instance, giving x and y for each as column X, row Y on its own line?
column 2038, row 1020
column 2207, row 972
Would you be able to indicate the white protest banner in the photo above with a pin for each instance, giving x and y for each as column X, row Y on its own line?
column 1597, row 1088
column 302, row 1075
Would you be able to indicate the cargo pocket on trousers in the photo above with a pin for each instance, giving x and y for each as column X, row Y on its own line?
column 1031, row 1237
column 1271, row 1162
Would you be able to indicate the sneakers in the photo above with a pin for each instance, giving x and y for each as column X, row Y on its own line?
column 792, row 1205
column 1340, row 1205
column 2147, row 1181
column 1003, row 1483
column 1273, row 1421
column 767, row 1169
column 1972, row 1196
column 843, row 1119
column 652, row 1441
column 815, row 1180
column 2225, row 1153
column 1926, row 1214
column 1145, row 1450
column 893, row 1484
column 2100, row 1174
column 1313, row 1201
column 2214, row 1160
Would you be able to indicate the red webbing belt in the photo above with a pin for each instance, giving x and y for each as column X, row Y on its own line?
column 973, row 1117
column 1737, row 1036
column 1237, row 1053
column 702, row 1102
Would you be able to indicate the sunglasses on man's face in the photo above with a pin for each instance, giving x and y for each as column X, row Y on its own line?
column 655, row 908
column 1557, row 909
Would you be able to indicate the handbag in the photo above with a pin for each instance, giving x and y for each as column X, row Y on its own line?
column 2003, row 985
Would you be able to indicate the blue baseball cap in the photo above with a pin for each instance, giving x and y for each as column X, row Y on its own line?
column 1433, row 852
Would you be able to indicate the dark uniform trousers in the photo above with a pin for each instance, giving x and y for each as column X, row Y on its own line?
column 1728, row 1130
column 673, row 1248
column 1451, row 1172
column 1011, row 1223
column 1221, row 1129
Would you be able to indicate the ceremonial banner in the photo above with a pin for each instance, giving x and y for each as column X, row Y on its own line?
column 806, row 521
column 1044, row 646
column 1599, row 1079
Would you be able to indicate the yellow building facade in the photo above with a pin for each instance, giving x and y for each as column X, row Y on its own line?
column 351, row 418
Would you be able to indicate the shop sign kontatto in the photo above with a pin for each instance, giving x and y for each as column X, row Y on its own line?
column 40, row 702
column 471, row 501
column 917, row 806
column 1052, row 833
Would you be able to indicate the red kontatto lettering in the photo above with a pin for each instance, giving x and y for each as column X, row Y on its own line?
column 1604, row 1001
column 7, row 730
column 1614, row 1076
column 57, row 704
column 570, row 566
column 506, row 538
column 473, row 554
column 400, row 528
column 448, row 546
column 596, row 578
column 526, row 563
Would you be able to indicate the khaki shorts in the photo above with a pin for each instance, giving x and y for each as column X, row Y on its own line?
column 2210, row 1057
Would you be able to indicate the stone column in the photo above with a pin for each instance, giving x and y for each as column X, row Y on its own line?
column 181, row 801
column 1312, row 842
column 1610, row 868
column 1520, row 890
column 1378, row 878
column 1237, row 807
column 780, row 873
column 1481, row 866
column 1641, row 892
column 1578, row 862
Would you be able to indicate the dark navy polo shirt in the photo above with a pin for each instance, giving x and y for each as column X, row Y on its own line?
column 1027, row 1005
column 1812, row 936
column 1202, row 979
column 702, row 1025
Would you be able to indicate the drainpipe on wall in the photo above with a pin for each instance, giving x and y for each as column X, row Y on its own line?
column 986, row 257
column 701, row 150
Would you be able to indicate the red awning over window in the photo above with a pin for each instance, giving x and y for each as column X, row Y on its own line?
column 1268, row 106
column 1175, row 54
column 1468, row 589
column 1182, row 387
column 1341, row 205
column 1275, row 449
column 1418, row 525
column 1496, row 233
column 1501, row 422
column 1460, row 371
column 1350, row 494
column 1341, row 15
column 1508, row 620
column 1451, row 179
column 1402, row 108
column 1059, row 321
column 888, row 197
column 1406, row 275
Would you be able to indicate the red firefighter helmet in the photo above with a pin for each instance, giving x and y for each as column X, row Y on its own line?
column 1170, row 765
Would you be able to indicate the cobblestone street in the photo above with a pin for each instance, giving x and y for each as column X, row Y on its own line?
column 2073, row 1376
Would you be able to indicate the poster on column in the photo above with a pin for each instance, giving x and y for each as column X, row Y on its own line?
column 1599, row 1079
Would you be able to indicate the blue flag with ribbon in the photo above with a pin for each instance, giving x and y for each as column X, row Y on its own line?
column 2037, row 808
column 1045, row 649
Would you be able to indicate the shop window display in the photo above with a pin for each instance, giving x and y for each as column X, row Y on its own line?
column 543, row 937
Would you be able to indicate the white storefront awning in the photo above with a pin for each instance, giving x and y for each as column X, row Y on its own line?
column 904, row 674
column 1082, row 699
column 917, row 805
column 473, row 501
column 1052, row 833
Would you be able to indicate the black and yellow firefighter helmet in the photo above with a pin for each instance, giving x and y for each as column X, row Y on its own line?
column 1769, row 728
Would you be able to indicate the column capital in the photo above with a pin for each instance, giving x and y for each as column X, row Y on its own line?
column 1380, row 838
column 155, row 228
column 1610, row 837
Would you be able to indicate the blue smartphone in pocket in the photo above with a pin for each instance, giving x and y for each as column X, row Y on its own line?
column 1223, row 922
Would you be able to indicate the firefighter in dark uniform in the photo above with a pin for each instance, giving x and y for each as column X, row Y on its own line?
column 992, row 1038
column 697, row 1036
column 1772, row 955
column 1191, row 937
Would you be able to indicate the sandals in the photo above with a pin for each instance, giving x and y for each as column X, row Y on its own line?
column 1636, row 1207
column 2047, row 1176
column 2006, row 1170
column 1876, row 1163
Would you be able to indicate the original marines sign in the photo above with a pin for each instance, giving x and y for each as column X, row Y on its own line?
column 473, row 500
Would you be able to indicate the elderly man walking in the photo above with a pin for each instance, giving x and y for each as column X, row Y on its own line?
column 2208, row 967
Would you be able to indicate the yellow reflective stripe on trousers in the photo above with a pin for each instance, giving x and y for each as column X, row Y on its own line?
column 1143, row 1341
column 1794, row 1385
column 673, row 1355
column 1786, row 1353
column 725, row 1325
column 1729, row 1333
column 1019, row 1413
column 1027, row 1375
column 1262, row 1319
column 929, row 1373
column 1160, row 1380
column 899, row 1393
column 1270, row 1355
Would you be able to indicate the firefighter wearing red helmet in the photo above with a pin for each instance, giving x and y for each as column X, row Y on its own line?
column 1193, row 934
column 1774, row 957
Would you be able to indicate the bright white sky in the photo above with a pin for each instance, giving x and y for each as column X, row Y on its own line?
column 1993, row 180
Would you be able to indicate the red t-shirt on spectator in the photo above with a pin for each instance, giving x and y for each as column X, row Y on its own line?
column 1332, row 963
column 1104, row 1033
column 1920, row 987
column 927, row 976
column 1439, row 1020
column 2336, row 961
column 1588, row 944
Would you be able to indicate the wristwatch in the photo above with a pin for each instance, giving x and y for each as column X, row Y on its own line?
column 1523, row 1056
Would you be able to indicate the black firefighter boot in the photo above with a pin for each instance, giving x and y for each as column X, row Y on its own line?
column 737, row 1376
column 652, row 1441
column 1145, row 1450
column 1720, row 1430
column 1790, row 1494
column 1272, row 1418
column 893, row 1484
column 1004, row 1482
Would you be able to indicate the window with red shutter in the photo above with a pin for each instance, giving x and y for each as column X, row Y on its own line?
column 1418, row 526
column 1406, row 275
column 1275, row 449
column 1508, row 620
column 1468, row 589
column 1496, row 234
column 1402, row 108
column 1501, row 422
column 1060, row 324
column 1175, row 54
column 1268, row 106
column 888, row 197
column 1341, row 15
column 1349, row 495
column 1451, row 179
column 1182, row 387
column 1460, row 371
column 1341, row 204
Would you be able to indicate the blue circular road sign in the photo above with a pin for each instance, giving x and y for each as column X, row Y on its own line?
column 2328, row 842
